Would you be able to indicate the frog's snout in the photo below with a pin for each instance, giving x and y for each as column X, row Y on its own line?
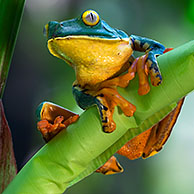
column 45, row 30
column 50, row 29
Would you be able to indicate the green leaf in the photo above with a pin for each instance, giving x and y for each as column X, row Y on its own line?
column 83, row 147
column 10, row 16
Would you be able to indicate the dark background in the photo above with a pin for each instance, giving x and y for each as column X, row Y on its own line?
column 36, row 76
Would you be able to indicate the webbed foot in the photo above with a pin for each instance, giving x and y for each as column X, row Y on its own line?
column 53, row 119
column 106, row 100
column 112, row 166
column 147, row 65
column 49, row 130
column 142, row 71
column 152, row 49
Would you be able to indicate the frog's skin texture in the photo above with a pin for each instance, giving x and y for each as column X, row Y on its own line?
column 102, row 59
column 99, row 54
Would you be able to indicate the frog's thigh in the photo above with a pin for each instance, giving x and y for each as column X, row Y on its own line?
column 134, row 148
column 161, row 132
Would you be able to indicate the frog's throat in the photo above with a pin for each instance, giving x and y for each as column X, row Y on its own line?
column 94, row 57
column 59, row 46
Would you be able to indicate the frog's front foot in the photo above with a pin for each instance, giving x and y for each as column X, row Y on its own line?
column 147, row 65
column 142, row 71
column 144, row 66
column 107, row 99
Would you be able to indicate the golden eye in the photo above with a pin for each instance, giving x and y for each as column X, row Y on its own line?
column 90, row 18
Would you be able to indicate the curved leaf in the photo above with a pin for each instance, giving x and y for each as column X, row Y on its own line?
column 83, row 147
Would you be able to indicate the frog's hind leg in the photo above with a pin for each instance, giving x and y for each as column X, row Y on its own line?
column 53, row 119
column 107, row 99
column 86, row 98
column 106, row 113
column 112, row 166
column 151, row 141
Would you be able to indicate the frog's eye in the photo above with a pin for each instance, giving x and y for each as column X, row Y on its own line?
column 90, row 18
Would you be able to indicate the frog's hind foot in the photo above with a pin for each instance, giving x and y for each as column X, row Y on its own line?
column 107, row 99
column 53, row 119
column 49, row 130
column 112, row 166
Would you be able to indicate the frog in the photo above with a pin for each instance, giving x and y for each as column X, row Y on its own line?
column 98, row 54
column 102, row 58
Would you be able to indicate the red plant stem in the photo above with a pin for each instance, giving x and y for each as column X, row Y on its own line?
column 8, row 167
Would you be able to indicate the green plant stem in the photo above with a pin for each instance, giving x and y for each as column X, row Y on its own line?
column 83, row 147
column 10, row 17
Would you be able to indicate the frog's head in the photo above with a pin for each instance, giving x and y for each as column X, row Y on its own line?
column 86, row 40
column 88, row 24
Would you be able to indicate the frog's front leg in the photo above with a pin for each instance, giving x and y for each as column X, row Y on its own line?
column 121, row 80
column 137, row 65
column 152, row 50
column 105, row 99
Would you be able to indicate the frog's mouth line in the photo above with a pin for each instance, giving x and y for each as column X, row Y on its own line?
column 68, row 37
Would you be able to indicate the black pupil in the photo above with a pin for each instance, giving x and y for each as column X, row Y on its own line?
column 91, row 17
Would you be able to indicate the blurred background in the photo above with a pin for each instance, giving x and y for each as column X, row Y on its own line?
column 36, row 76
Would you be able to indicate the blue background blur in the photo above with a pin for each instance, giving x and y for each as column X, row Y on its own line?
column 36, row 76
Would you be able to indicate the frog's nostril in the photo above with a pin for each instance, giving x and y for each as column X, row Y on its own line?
column 45, row 30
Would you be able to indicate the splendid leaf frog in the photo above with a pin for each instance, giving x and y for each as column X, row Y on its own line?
column 100, row 55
